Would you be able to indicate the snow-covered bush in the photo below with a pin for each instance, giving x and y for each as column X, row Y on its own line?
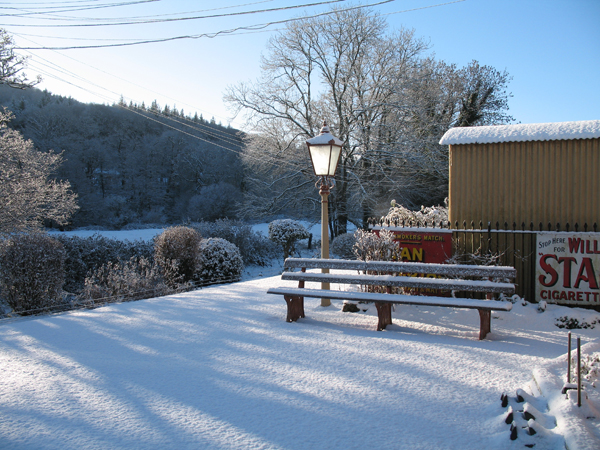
column 479, row 257
column 343, row 246
column 135, row 279
column 574, row 323
column 219, row 260
column 371, row 247
column 590, row 367
column 176, row 252
column 32, row 271
column 85, row 255
column 400, row 215
column 286, row 232
column 254, row 247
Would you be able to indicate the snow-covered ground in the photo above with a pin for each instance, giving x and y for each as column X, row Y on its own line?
column 123, row 235
column 219, row 368
column 150, row 233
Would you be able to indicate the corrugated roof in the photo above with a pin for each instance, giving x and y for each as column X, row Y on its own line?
column 585, row 129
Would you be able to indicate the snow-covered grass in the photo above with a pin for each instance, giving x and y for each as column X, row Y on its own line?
column 219, row 368
column 150, row 233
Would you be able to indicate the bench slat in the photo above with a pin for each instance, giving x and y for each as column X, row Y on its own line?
column 403, row 281
column 489, row 305
column 452, row 270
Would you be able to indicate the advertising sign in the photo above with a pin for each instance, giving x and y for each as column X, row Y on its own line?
column 424, row 246
column 568, row 268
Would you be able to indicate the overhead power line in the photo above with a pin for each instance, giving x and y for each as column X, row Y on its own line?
column 179, row 19
column 104, row 97
column 210, row 35
column 46, row 8
column 58, row 17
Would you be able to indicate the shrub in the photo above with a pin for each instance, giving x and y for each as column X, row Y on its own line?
column 176, row 253
column 286, row 232
column 219, row 260
column 343, row 246
column 479, row 257
column 371, row 247
column 255, row 248
column 86, row 255
column 398, row 214
column 572, row 323
column 32, row 271
column 135, row 279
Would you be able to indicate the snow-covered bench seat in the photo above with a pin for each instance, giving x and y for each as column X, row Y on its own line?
column 448, row 277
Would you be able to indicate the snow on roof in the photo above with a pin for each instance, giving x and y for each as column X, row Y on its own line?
column 585, row 129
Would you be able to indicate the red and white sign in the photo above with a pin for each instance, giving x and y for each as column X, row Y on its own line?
column 568, row 268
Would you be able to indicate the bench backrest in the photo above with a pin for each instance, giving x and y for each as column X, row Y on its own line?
column 447, row 270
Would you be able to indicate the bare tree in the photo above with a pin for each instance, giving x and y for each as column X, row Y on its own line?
column 484, row 99
column 29, row 193
column 344, row 69
column 442, row 96
column 12, row 65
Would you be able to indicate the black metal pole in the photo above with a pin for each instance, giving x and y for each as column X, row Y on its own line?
column 578, row 371
column 569, row 360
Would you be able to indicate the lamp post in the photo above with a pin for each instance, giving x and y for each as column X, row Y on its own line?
column 325, row 151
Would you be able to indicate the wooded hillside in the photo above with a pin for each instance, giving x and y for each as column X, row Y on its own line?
column 132, row 163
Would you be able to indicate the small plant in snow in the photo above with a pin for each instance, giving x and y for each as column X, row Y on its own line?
column 286, row 232
column 590, row 367
column 85, row 255
column 135, row 279
column 343, row 246
column 176, row 252
column 426, row 215
column 571, row 323
column 371, row 247
column 478, row 258
column 255, row 248
column 219, row 260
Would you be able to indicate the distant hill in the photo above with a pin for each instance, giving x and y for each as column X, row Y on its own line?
column 132, row 163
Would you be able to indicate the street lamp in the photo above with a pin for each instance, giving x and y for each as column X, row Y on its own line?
column 325, row 150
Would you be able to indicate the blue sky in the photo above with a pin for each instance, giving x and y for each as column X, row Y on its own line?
column 551, row 49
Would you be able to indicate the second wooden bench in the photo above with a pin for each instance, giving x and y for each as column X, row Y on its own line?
column 490, row 280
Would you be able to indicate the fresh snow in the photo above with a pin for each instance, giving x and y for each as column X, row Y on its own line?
column 585, row 129
column 219, row 368
column 150, row 233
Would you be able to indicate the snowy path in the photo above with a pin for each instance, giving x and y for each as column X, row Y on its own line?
column 220, row 368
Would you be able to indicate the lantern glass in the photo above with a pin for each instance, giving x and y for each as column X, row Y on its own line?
column 324, row 159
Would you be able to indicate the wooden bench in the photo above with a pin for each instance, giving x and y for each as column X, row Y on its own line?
column 448, row 277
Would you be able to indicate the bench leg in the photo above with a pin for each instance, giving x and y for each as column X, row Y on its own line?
column 384, row 312
column 295, row 307
column 485, row 323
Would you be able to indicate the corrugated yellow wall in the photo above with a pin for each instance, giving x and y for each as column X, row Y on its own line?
column 538, row 181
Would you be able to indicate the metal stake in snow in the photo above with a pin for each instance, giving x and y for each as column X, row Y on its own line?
column 569, row 360
column 578, row 371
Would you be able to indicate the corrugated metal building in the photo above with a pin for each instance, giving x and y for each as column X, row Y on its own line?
column 540, row 173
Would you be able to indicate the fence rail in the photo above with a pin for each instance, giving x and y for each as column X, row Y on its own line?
column 513, row 245
column 79, row 302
